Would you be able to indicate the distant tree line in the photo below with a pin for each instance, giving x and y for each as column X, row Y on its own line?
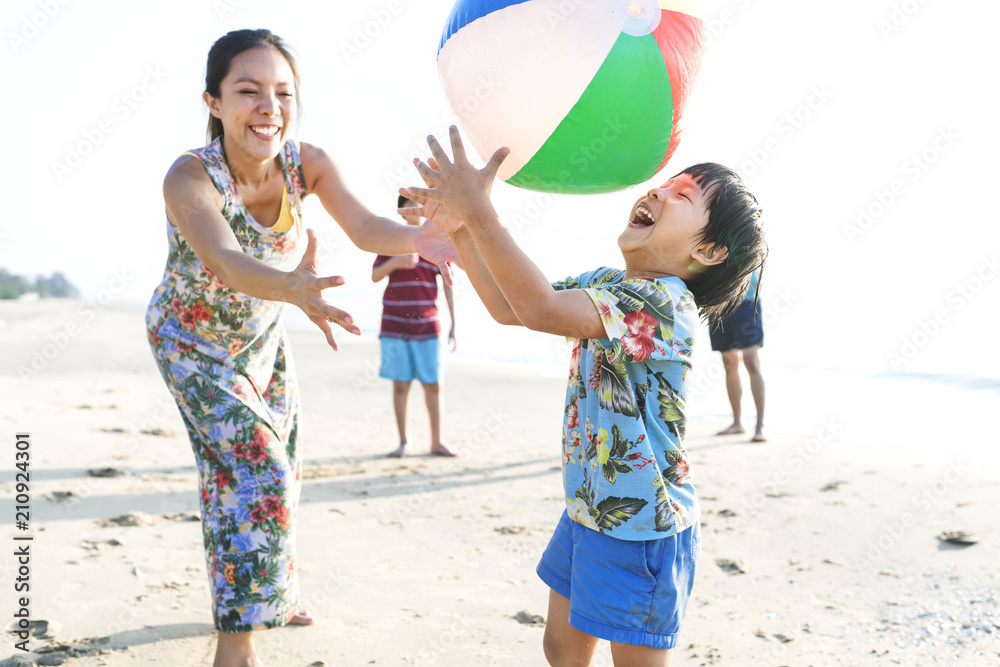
column 12, row 286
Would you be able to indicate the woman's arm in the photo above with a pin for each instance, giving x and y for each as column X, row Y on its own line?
column 482, row 280
column 365, row 229
column 194, row 206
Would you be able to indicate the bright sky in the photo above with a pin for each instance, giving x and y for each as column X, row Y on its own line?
column 824, row 107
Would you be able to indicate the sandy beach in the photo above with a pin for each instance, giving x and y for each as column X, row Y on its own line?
column 816, row 552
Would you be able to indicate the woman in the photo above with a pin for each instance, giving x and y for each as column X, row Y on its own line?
column 234, row 225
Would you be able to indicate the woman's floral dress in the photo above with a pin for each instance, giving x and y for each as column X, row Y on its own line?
column 225, row 358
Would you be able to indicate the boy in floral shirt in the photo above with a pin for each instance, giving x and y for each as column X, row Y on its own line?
column 621, row 563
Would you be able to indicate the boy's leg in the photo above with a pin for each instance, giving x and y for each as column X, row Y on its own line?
column 751, row 360
column 564, row 645
column 400, row 394
column 626, row 655
column 432, row 397
column 731, row 362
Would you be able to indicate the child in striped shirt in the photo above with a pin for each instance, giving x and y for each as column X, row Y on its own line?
column 410, row 335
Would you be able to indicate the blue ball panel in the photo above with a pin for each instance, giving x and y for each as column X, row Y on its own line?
column 466, row 11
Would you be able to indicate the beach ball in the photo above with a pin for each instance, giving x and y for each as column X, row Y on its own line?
column 587, row 94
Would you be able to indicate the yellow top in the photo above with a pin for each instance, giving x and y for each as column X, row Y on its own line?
column 285, row 220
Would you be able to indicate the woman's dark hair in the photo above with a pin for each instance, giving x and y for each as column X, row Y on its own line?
column 734, row 221
column 220, row 59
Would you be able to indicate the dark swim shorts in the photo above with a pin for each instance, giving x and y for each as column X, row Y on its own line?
column 740, row 330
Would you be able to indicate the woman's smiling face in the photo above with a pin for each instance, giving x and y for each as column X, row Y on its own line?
column 257, row 102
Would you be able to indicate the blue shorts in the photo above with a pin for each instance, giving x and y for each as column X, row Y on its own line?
column 404, row 360
column 739, row 330
column 626, row 592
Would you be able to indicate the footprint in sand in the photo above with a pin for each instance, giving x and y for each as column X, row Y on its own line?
column 105, row 472
column 959, row 537
column 731, row 566
column 130, row 519
column 158, row 432
column 525, row 618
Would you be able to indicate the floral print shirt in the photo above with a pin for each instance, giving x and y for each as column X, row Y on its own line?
column 625, row 470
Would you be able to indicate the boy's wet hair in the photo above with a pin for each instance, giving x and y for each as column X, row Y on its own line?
column 734, row 221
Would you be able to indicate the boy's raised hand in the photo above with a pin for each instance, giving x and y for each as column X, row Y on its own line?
column 442, row 216
column 458, row 185
column 432, row 241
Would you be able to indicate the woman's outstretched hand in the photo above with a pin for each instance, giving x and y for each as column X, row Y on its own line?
column 305, row 290
column 433, row 244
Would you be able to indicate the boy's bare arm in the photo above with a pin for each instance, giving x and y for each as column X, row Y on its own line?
column 446, row 220
column 465, row 190
column 531, row 297
column 482, row 281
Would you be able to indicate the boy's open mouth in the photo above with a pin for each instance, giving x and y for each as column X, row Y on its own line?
column 643, row 216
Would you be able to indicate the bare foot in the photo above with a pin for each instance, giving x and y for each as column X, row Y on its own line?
column 440, row 450
column 236, row 650
column 399, row 452
column 759, row 435
column 735, row 428
column 302, row 617
column 248, row 661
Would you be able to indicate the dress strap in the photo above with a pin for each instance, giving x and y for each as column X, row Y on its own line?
column 213, row 160
column 291, row 165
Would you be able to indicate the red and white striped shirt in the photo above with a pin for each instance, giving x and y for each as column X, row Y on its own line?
column 409, row 306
